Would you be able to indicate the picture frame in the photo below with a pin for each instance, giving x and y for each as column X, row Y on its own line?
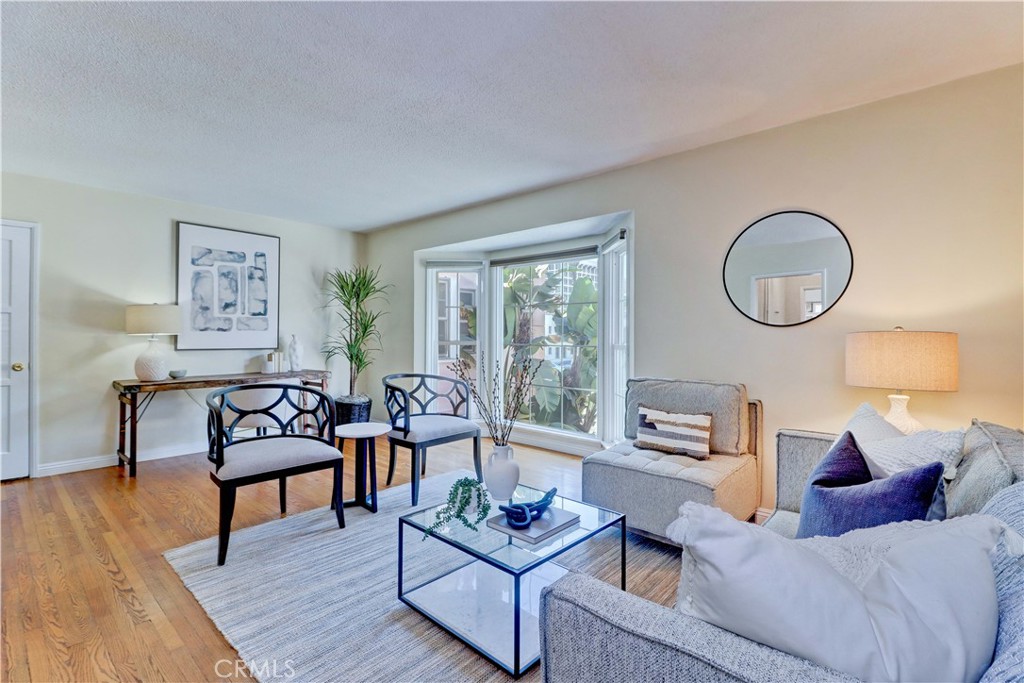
column 229, row 288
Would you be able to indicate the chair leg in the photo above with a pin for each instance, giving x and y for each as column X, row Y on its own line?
column 476, row 458
column 392, row 452
column 415, row 475
column 423, row 463
column 283, row 494
column 336, row 503
column 227, row 511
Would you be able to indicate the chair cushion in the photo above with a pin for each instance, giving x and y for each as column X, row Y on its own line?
column 726, row 403
column 649, row 486
column 259, row 456
column 429, row 427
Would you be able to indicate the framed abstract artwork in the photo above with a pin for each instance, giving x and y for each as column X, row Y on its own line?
column 228, row 288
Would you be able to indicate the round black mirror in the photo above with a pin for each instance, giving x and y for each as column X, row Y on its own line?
column 787, row 268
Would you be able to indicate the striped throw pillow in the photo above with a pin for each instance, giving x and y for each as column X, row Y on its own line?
column 675, row 433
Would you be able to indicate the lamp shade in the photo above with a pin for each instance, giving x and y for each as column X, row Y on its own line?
column 152, row 319
column 900, row 359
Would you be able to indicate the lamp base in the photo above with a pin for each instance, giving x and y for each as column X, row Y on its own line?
column 899, row 417
column 151, row 365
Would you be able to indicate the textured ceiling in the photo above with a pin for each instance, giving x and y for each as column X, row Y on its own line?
column 364, row 114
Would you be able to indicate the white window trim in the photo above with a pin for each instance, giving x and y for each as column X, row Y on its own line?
column 489, row 299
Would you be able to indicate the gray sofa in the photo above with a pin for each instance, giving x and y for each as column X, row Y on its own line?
column 591, row 631
column 649, row 486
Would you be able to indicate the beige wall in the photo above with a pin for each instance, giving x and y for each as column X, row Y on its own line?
column 101, row 250
column 926, row 187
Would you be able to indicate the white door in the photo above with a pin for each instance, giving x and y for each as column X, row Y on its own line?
column 15, row 299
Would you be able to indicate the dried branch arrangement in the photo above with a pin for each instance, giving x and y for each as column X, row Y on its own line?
column 499, row 412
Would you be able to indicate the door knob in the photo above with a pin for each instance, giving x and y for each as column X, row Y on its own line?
column 17, row 367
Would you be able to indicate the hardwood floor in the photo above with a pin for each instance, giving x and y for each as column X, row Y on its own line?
column 87, row 595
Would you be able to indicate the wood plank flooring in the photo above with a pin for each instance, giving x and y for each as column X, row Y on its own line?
column 87, row 595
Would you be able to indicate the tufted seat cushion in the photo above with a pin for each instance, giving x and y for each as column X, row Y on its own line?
column 269, row 454
column 623, row 475
column 429, row 427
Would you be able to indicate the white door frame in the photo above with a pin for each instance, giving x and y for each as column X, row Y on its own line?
column 33, row 343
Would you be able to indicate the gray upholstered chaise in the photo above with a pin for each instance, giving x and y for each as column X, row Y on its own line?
column 649, row 486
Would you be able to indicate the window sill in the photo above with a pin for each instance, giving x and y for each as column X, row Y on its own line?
column 556, row 440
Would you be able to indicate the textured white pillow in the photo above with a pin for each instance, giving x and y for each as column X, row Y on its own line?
column 867, row 425
column 886, row 457
column 887, row 450
column 925, row 610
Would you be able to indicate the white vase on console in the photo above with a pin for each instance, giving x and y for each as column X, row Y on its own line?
column 294, row 354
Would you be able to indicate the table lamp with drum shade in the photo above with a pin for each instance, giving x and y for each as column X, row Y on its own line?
column 154, row 320
column 900, row 359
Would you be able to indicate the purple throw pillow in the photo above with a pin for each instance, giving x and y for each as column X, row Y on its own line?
column 841, row 496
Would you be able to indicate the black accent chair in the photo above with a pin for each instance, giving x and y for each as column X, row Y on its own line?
column 294, row 434
column 433, row 410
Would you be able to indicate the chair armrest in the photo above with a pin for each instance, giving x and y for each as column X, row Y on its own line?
column 396, row 400
column 798, row 453
column 591, row 631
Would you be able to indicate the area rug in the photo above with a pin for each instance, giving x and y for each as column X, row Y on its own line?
column 301, row 600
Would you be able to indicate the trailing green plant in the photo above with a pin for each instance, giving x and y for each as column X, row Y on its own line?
column 464, row 493
column 358, row 336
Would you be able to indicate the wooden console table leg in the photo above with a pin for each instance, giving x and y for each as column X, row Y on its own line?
column 120, row 430
column 133, row 445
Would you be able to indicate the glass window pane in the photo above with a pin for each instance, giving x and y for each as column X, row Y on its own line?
column 467, row 328
column 580, row 367
column 580, row 410
column 550, row 312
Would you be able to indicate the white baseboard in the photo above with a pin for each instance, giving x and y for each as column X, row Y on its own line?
column 761, row 514
column 49, row 469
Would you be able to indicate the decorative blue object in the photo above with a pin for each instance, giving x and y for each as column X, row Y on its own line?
column 517, row 515
column 841, row 495
column 521, row 515
column 538, row 507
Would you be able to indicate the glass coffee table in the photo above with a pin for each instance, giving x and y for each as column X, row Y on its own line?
column 484, row 586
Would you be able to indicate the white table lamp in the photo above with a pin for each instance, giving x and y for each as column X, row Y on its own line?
column 902, row 360
column 154, row 319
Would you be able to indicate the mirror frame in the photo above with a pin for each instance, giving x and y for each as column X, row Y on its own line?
column 725, row 262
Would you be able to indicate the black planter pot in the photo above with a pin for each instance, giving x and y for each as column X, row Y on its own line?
column 350, row 411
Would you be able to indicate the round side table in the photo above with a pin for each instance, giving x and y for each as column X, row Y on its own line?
column 365, row 434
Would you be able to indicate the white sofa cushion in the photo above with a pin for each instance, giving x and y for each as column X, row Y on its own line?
column 886, row 457
column 430, row 427
column 921, row 609
column 887, row 450
column 867, row 425
column 257, row 456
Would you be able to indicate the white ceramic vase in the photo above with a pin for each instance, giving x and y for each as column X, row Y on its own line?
column 294, row 354
column 501, row 473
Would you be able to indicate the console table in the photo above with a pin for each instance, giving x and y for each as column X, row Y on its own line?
column 132, row 407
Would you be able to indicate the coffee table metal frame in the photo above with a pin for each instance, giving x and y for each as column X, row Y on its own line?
column 552, row 548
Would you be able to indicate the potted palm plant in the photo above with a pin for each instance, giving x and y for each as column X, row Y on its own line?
column 354, row 292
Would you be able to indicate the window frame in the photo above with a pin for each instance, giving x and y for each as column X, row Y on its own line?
column 611, row 403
